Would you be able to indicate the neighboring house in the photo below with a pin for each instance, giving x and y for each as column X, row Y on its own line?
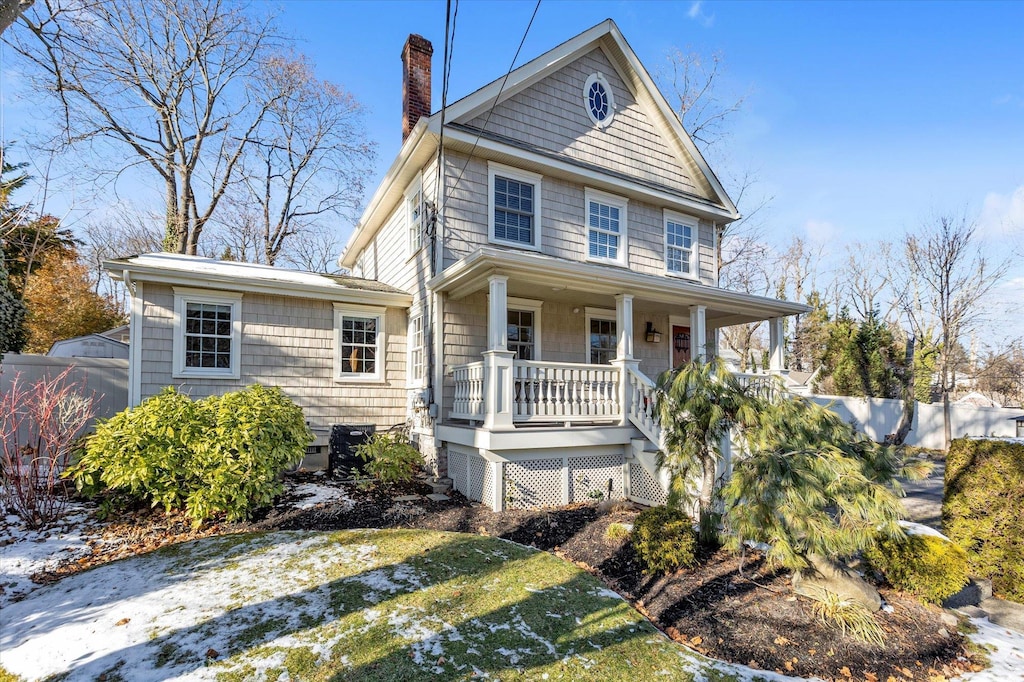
column 516, row 314
column 89, row 346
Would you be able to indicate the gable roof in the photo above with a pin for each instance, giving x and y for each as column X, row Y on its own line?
column 424, row 138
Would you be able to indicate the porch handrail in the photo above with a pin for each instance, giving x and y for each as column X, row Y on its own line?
column 469, row 391
column 761, row 384
column 642, row 402
column 564, row 392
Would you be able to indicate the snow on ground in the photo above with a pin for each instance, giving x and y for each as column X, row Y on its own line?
column 24, row 552
column 913, row 528
column 157, row 615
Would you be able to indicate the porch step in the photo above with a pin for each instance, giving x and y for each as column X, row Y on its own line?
column 440, row 485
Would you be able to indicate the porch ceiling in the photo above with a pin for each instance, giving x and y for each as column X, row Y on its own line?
column 534, row 275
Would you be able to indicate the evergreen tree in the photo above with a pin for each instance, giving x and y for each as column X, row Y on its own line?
column 861, row 358
column 12, row 314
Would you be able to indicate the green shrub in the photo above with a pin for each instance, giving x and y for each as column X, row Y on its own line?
column 664, row 539
column 390, row 458
column 218, row 454
column 931, row 567
column 982, row 510
column 616, row 531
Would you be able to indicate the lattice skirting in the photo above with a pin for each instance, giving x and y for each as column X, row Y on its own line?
column 533, row 483
column 595, row 478
column 645, row 488
column 457, row 471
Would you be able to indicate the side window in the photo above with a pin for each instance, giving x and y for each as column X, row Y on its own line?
column 207, row 334
column 601, row 337
column 359, row 344
column 417, row 351
column 414, row 218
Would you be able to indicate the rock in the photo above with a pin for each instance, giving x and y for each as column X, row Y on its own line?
column 949, row 620
column 972, row 594
column 825, row 576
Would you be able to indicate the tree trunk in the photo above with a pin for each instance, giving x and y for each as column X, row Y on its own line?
column 708, row 518
column 909, row 395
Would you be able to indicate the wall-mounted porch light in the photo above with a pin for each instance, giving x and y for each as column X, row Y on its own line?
column 653, row 336
column 681, row 342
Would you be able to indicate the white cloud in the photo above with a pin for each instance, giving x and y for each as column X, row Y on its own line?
column 821, row 231
column 1002, row 214
column 696, row 12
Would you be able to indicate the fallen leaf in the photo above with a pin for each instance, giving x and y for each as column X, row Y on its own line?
column 696, row 640
column 845, row 672
column 123, row 621
column 782, row 641
column 753, row 664
column 212, row 653
column 789, row 666
column 870, row 676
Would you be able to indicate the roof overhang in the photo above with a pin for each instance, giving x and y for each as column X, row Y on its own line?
column 261, row 279
column 723, row 306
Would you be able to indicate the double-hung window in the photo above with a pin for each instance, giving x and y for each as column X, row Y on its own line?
column 514, row 206
column 523, row 328
column 417, row 351
column 359, row 344
column 602, row 337
column 606, row 227
column 207, row 333
column 680, row 245
column 414, row 217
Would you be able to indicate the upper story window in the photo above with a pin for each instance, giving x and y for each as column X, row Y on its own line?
column 680, row 245
column 598, row 100
column 414, row 216
column 207, row 334
column 606, row 227
column 358, row 344
column 514, row 206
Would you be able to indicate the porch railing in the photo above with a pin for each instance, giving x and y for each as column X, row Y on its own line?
column 564, row 392
column 469, row 391
column 642, row 401
column 761, row 385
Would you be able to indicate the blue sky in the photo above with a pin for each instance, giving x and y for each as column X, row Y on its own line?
column 860, row 120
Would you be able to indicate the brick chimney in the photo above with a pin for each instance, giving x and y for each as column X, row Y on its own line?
column 415, row 81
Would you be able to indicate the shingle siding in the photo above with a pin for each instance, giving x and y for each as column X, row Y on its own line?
column 550, row 115
column 562, row 222
column 286, row 342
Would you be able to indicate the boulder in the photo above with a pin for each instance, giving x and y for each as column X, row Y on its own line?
column 826, row 576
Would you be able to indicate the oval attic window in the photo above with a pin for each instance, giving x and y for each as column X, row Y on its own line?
column 598, row 100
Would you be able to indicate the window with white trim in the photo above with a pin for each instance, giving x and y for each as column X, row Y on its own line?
column 680, row 245
column 207, row 334
column 414, row 217
column 606, row 227
column 598, row 100
column 602, row 337
column 514, row 206
column 359, row 344
column 417, row 351
column 522, row 336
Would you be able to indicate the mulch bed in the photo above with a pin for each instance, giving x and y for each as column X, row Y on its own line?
column 725, row 609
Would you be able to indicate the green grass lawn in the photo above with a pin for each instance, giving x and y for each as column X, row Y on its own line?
column 352, row 605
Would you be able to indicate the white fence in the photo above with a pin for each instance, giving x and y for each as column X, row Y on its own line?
column 878, row 417
column 106, row 379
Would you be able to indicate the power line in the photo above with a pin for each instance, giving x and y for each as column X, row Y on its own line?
column 490, row 111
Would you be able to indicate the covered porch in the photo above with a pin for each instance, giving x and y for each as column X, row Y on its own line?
column 566, row 344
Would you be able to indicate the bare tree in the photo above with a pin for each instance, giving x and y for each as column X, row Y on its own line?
column 159, row 81
column 949, row 276
column 752, row 273
column 306, row 162
column 867, row 280
column 128, row 233
column 693, row 80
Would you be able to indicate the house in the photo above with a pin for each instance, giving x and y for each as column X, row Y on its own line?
column 535, row 256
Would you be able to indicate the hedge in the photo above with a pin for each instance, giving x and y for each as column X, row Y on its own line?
column 983, row 510
column 931, row 567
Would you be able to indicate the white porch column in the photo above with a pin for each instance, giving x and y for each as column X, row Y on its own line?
column 776, row 361
column 497, row 358
column 698, row 333
column 624, row 326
